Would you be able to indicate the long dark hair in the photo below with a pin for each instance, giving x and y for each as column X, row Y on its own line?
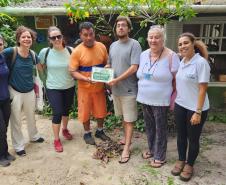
column 199, row 46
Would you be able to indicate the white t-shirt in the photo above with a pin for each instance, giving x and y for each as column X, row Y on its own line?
column 155, row 80
column 188, row 77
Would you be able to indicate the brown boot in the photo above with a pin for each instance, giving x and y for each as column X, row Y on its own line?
column 178, row 168
column 187, row 173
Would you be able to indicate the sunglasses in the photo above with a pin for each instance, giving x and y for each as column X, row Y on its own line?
column 1, row 44
column 56, row 37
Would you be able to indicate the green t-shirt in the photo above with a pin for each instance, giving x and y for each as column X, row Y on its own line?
column 58, row 75
column 21, row 77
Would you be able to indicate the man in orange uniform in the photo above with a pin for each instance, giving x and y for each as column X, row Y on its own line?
column 91, row 96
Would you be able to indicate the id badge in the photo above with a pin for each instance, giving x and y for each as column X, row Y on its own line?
column 147, row 76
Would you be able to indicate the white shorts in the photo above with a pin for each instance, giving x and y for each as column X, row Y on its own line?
column 125, row 106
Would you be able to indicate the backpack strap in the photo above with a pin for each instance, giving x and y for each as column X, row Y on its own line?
column 13, row 59
column 69, row 49
column 46, row 55
column 33, row 56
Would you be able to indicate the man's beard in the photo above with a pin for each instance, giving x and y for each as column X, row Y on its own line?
column 122, row 36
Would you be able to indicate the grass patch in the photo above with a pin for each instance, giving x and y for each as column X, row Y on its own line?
column 150, row 170
column 170, row 181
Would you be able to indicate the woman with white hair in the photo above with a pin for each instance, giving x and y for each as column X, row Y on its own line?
column 156, row 72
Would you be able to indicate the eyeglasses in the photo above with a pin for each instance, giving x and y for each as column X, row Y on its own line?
column 56, row 37
column 1, row 44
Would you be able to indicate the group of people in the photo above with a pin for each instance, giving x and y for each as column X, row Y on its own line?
column 149, row 77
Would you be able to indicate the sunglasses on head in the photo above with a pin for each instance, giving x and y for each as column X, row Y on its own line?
column 56, row 37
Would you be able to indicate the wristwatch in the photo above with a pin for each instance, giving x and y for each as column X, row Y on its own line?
column 198, row 111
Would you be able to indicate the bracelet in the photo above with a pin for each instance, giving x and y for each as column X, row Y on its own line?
column 198, row 113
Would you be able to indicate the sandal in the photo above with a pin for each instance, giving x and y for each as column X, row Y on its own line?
column 146, row 154
column 178, row 168
column 187, row 173
column 124, row 159
column 157, row 164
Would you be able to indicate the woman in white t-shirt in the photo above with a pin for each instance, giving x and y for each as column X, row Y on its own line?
column 157, row 68
column 60, row 86
column 191, row 104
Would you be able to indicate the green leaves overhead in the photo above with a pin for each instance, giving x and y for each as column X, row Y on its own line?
column 154, row 11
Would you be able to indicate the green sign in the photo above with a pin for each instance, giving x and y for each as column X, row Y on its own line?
column 100, row 74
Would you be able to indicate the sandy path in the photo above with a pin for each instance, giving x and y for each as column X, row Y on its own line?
column 43, row 166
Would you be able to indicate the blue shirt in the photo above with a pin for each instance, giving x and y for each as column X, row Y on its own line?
column 4, row 74
column 21, row 74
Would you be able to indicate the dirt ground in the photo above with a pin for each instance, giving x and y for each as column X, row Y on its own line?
column 75, row 166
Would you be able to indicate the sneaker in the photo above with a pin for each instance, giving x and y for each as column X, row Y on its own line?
column 10, row 157
column 21, row 153
column 100, row 134
column 89, row 139
column 58, row 146
column 67, row 135
column 39, row 140
column 4, row 162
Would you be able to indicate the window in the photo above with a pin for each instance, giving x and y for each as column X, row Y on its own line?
column 213, row 34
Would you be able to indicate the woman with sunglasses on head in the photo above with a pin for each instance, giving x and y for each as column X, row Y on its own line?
column 21, row 61
column 5, row 157
column 191, row 104
column 156, row 71
column 60, row 86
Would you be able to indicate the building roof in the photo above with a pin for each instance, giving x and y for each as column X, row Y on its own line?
column 60, row 3
column 56, row 7
column 213, row 2
column 41, row 4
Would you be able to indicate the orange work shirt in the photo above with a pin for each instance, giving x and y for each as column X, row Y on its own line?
column 83, row 59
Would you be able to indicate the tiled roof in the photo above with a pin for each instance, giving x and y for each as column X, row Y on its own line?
column 60, row 3
column 214, row 2
column 41, row 4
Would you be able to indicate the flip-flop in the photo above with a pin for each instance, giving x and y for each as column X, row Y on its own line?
column 157, row 164
column 146, row 154
column 124, row 159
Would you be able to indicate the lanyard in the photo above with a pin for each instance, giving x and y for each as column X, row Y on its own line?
column 151, row 65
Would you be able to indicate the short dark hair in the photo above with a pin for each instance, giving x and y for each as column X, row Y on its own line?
column 124, row 18
column 22, row 29
column 86, row 25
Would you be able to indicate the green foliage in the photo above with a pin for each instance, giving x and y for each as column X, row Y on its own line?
column 4, row 3
column 217, row 117
column 170, row 180
column 147, row 11
column 112, row 122
column 7, row 26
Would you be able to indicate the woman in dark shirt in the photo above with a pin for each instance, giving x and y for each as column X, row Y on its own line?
column 21, row 88
column 5, row 157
